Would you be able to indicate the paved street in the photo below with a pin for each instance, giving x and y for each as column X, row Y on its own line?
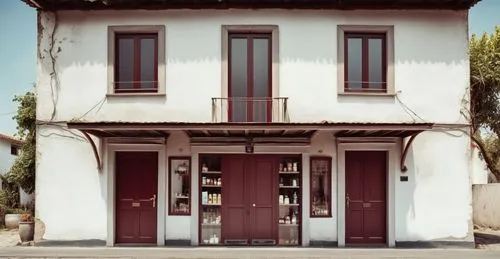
column 253, row 253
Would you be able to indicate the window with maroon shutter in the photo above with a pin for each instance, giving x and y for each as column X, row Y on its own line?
column 136, row 63
column 365, row 62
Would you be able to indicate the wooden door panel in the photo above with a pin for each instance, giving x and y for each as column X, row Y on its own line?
column 234, row 227
column 374, row 225
column 374, row 175
column 263, row 224
column 366, row 196
column 234, row 211
column 354, row 231
column 136, row 183
column 127, row 226
column 263, row 198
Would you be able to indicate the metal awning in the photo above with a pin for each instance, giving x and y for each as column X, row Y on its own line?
column 248, row 130
column 244, row 133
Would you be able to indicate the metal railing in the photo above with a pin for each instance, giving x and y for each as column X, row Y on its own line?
column 250, row 109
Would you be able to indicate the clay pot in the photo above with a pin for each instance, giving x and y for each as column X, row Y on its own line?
column 26, row 231
column 12, row 220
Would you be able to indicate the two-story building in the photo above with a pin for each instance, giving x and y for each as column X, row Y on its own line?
column 294, row 123
column 10, row 148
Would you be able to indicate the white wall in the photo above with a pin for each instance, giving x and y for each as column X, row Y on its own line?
column 6, row 159
column 435, row 204
column 431, row 78
column 486, row 205
column 431, row 65
column 479, row 169
column 71, row 194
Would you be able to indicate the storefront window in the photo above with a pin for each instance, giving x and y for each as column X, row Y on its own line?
column 211, row 199
column 180, row 186
column 290, row 197
column 321, row 190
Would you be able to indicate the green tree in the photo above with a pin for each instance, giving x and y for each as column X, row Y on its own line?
column 22, row 171
column 484, row 112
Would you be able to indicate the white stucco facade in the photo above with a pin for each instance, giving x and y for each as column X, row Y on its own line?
column 431, row 80
column 6, row 158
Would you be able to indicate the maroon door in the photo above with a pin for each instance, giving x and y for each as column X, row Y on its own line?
column 234, row 207
column 262, row 192
column 366, row 173
column 250, row 79
column 136, row 197
column 249, row 199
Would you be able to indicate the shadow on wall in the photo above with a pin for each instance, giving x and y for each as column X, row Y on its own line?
column 405, row 198
column 300, row 44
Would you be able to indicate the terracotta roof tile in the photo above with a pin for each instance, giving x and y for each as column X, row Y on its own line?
column 11, row 139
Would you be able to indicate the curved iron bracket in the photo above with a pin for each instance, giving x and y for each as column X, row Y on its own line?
column 405, row 149
column 94, row 148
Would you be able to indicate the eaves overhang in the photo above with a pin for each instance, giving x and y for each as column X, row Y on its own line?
column 249, row 4
column 229, row 133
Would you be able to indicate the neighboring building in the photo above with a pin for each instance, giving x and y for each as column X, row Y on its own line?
column 254, row 122
column 9, row 150
column 480, row 172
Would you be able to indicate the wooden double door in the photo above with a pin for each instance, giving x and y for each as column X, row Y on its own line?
column 249, row 207
column 366, row 192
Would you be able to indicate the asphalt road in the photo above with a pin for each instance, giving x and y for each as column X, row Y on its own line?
column 253, row 253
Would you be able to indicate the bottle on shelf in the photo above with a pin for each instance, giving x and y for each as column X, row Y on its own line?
column 295, row 198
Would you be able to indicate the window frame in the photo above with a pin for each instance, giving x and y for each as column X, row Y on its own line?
column 328, row 159
column 342, row 32
column 137, row 69
column 16, row 148
column 273, row 30
column 170, row 211
column 113, row 33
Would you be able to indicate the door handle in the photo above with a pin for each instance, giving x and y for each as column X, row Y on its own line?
column 347, row 200
column 153, row 199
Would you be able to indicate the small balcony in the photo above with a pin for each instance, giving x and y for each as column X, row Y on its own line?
column 250, row 109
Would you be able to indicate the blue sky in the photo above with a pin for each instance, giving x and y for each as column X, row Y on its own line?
column 18, row 49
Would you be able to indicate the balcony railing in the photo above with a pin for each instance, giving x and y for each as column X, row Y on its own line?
column 250, row 109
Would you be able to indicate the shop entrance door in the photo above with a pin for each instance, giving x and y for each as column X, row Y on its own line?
column 136, row 191
column 249, row 208
column 366, row 175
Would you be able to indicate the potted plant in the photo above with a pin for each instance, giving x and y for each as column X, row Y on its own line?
column 12, row 218
column 26, row 228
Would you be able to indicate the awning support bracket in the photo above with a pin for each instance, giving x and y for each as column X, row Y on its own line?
column 405, row 149
column 94, row 148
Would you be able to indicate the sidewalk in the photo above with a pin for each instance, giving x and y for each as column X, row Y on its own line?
column 247, row 253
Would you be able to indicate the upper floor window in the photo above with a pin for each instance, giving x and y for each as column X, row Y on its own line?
column 366, row 58
column 136, row 65
column 14, row 150
column 365, row 62
column 136, row 57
